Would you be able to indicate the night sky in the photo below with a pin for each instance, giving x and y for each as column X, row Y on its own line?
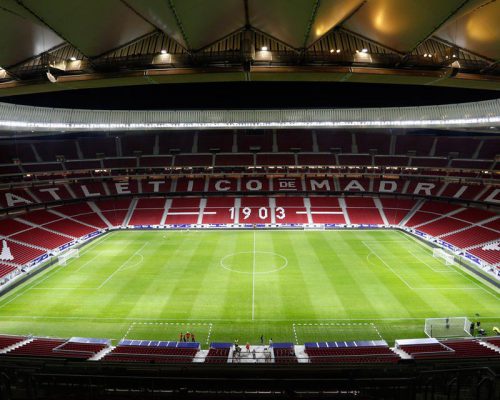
column 240, row 95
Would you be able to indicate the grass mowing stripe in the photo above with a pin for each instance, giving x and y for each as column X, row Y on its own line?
column 121, row 266
column 387, row 265
column 457, row 269
column 181, row 281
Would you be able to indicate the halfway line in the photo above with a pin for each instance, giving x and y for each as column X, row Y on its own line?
column 253, row 278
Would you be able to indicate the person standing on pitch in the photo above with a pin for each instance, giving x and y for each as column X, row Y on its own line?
column 262, row 339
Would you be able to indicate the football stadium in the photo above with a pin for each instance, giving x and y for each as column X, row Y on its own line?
column 250, row 199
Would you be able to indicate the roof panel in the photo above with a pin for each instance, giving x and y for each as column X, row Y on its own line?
column 478, row 31
column 93, row 26
column 288, row 23
column 160, row 15
column 21, row 36
column 400, row 24
column 331, row 13
column 206, row 21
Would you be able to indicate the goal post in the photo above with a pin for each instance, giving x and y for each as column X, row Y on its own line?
column 447, row 327
column 448, row 258
column 67, row 255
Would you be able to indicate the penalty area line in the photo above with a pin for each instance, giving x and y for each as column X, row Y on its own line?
column 122, row 266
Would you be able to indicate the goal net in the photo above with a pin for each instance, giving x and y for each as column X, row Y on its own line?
column 447, row 327
column 67, row 255
column 447, row 257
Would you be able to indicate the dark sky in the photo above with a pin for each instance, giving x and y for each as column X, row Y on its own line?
column 253, row 95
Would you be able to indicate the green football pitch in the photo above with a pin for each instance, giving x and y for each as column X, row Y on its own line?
column 293, row 286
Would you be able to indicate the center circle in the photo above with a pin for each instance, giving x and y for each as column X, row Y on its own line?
column 254, row 262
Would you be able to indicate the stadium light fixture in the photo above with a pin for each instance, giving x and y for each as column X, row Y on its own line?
column 338, row 51
column 163, row 51
column 365, row 50
column 331, row 50
column 51, row 77
column 264, row 48
column 72, row 58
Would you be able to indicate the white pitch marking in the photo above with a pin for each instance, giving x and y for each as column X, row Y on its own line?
column 88, row 262
column 57, row 268
column 387, row 265
column 209, row 333
column 446, row 270
column 123, row 265
column 253, row 279
column 459, row 270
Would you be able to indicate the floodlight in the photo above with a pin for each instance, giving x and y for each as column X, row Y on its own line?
column 264, row 48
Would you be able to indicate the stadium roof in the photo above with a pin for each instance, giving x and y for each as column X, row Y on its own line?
column 95, row 43
column 18, row 120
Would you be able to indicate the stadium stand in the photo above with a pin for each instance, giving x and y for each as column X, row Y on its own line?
column 7, row 341
column 215, row 142
column 60, row 348
column 109, row 175
column 466, row 348
column 41, row 238
column 296, row 140
column 339, row 142
column 218, row 353
column 284, row 353
column 373, row 143
column 350, row 352
column 153, row 352
column 6, row 269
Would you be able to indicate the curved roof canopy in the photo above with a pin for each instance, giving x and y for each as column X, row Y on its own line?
column 16, row 120
column 95, row 43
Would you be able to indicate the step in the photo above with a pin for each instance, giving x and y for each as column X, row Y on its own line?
column 16, row 345
column 102, row 353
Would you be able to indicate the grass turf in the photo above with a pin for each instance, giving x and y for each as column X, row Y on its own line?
column 286, row 285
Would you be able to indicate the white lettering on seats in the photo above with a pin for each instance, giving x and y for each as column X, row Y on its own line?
column 460, row 191
column 383, row 186
column 86, row 192
column 254, row 185
column 13, row 199
column 287, row 184
column 425, row 187
column 492, row 197
column 318, row 185
column 354, row 184
column 122, row 188
column 156, row 185
column 492, row 246
column 219, row 185
column 52, row 191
